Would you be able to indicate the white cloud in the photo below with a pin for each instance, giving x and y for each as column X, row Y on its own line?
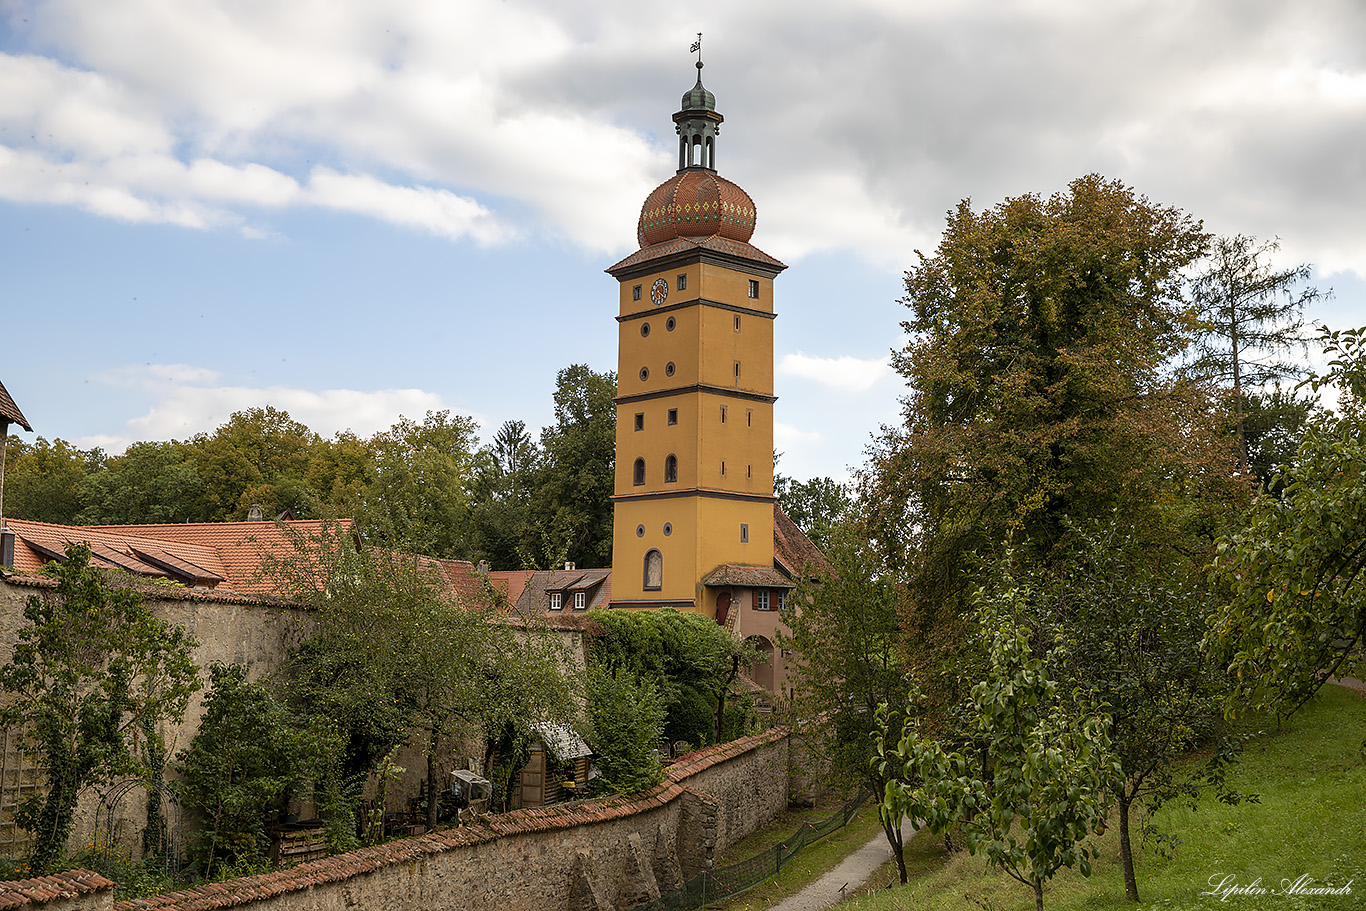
column 187, row 401
column 845, row 373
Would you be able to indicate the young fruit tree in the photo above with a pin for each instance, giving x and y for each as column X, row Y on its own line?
column 1032, row 783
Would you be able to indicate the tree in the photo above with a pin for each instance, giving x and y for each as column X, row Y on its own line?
column 245, row 756
column 1248, row 317
column 150, row 483
column 1121, row 619
column 846, row 629
column 687, row 658
column 1274, row 422
column 626, row 721
column 1295, row 574
column 420, row 498
column 399, row 654
column 43, row 481
column 504, row 483
column 573, row 502
column 1032, row 783
column 817, row 505
column 1038, row 334
column 260, row 455
column 93, row 671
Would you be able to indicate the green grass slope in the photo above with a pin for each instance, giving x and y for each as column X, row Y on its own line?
column 1310, row 777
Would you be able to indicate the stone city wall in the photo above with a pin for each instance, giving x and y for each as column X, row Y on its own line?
column 597, row 855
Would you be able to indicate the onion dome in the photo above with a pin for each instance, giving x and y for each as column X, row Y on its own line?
column 698, row 98
column 696, row 203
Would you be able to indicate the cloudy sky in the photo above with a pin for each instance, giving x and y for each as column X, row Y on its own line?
column 357, row 209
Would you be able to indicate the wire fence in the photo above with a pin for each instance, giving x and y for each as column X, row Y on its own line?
column 714, row 885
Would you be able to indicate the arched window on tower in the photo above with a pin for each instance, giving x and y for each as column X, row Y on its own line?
column 671, row 469
column 654, row 571
column 711, row 153
column 638, row 475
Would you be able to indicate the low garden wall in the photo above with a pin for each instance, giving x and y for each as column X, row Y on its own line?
column 596, row 855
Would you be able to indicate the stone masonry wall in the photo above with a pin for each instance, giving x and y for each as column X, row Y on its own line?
column 598, row 855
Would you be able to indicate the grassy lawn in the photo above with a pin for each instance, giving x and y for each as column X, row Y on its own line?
column 1311, row 820
column 810, row 863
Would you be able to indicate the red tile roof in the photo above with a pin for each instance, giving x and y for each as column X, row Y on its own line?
column 793, row 551
column 202, row 552
column 9, row 412
column 58, row 887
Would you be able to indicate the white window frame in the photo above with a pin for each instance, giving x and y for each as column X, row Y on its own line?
column 761, row 600
column 557, row 600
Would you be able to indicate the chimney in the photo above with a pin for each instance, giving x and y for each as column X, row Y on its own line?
column 483, row 568
column 256, row 513
column 568, row 567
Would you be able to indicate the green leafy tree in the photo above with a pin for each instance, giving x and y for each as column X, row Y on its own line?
column 1122, row 619
column 817, row 505
column 1274, row 422
column 44, row 480
column 1031, row 786
column 504, row 485
column 1248, row 320
column 420, row 498
column 1038, row 336
column 572, row 513
column 246, row 757
column 340, row 470
column 260, row 455
column 91, row 671
column 398, row 655
column 846, row 629
column 690, row 660
column 151, row 483
column 1295, row 575
column 626, row 716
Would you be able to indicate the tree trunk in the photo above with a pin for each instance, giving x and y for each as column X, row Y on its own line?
column 1126, row 851
column 893, row 833
column 721, row 696
column 433, row 795
column 1038, row 895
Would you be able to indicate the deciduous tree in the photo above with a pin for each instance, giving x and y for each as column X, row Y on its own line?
column 91, row 672
column 1295, row 612
column 846, row 630
column 1032, row 783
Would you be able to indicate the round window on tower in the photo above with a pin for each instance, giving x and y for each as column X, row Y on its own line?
column 644, row 374
column 669, row 369
column 644, row 329
column 668, row 529
column 670, row 323
column 640, row 531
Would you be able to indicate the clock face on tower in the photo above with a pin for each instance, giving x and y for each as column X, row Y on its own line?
column 659, row 291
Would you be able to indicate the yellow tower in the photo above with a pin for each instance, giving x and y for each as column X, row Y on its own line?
column 693, row 505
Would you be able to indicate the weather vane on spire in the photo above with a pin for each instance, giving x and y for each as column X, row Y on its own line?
column 697, row 48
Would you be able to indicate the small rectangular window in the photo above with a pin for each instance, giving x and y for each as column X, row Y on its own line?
column 556, row 600
column 749, row 471
column 723, row 469
column 723, row 414
column 749, row 417
column 673, row 415
column 683, row 282
column 580, row 600
column 744, row 533
column 640, row 421
column 635, row 292
column 782, row 601
column 761, row 600
column 737, row 370
column 754, row 288
column 737, row 324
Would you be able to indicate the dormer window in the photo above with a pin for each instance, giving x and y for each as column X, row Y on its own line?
column 557, row 600
column 580, row 600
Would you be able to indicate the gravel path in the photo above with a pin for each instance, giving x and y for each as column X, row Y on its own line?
column 850, row 873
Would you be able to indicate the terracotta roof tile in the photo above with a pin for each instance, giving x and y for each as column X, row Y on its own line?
column 792, row 549
column 230, row 551
column 714, row 243
column 9, row 412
